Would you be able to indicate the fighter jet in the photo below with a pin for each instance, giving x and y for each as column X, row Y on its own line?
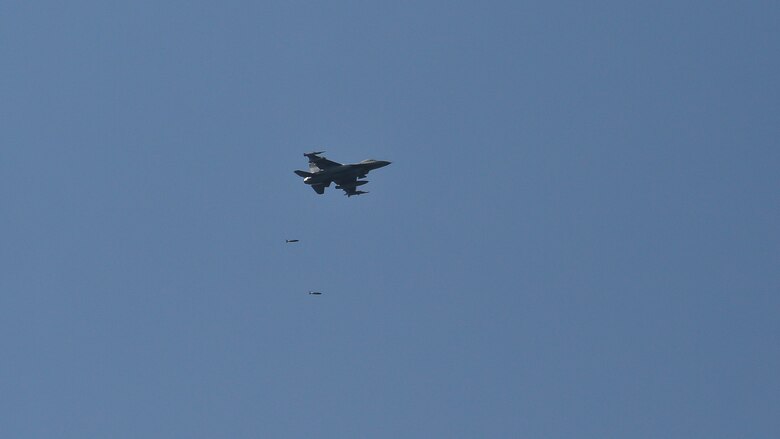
column 315, row 293
column 290, row 240
column 323, row 172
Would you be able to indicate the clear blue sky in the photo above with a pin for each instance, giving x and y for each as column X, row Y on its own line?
column 578, row 236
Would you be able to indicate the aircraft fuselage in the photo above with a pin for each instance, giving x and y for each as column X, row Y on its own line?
column 322, row 172
column 355, row 170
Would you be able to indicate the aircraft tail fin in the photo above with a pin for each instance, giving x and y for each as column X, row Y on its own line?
column 303, row 174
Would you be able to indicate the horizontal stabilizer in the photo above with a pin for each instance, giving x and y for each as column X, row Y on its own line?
column 303, row 174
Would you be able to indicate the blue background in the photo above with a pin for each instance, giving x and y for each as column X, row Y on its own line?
column 578, row 236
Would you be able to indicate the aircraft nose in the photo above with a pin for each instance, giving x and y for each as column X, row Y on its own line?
column 383, row 163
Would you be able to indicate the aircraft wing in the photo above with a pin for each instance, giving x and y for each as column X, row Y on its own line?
column 319, row 188
column 317, row 163
column 349, row 186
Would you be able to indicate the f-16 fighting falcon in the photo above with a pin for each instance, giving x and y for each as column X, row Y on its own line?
column 322, row 172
